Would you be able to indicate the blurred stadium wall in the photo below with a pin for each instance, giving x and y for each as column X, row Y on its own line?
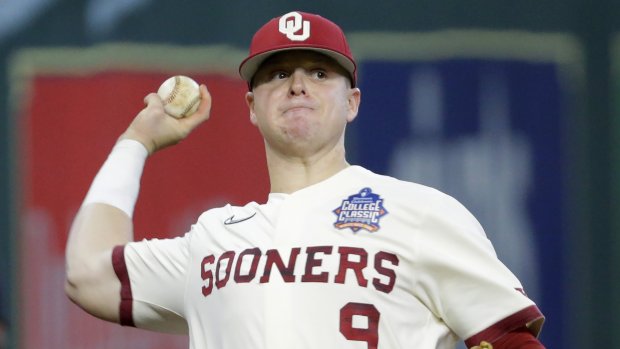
column 510, row 106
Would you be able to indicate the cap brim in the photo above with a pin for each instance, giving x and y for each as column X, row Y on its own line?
column 250, row 66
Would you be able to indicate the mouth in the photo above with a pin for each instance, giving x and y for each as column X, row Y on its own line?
column 295, row 110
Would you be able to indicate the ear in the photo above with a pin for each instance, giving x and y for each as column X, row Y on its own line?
column 353, row 103
column 249, row 100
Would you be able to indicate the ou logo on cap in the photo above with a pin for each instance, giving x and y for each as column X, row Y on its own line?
column 291, row 23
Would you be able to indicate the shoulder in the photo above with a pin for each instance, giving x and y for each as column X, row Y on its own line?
column 429, row 204
column 407, row 191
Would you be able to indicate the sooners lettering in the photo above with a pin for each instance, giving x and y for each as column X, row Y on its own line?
column 313, row 262
column 287, row 272
column 356, row 267
column 320, row 264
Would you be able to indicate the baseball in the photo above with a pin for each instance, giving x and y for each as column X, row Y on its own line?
column 181, row 96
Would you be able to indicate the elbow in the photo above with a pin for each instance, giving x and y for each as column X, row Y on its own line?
column 71, row 291
column 81, row 280
column 93, row 291
column 73, row 284
column 83, row 275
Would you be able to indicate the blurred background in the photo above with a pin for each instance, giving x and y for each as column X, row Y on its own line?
column 507, row 106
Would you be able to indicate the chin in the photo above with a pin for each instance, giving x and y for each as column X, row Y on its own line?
column 299, row 129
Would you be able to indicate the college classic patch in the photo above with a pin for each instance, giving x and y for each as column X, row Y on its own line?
column 360, row 211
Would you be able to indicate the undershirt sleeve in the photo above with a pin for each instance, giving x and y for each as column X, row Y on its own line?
column 516, row 327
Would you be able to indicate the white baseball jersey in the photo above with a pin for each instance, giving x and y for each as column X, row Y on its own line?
column 357, row 261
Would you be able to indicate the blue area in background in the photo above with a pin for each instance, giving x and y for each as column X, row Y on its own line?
column 535, row 110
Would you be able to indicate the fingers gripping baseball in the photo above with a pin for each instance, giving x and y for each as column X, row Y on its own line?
column 156, row 130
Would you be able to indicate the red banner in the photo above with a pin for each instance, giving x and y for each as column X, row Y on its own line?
column 67, row 127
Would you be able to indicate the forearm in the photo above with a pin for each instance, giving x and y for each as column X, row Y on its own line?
column 104, row 220
column 520, row 338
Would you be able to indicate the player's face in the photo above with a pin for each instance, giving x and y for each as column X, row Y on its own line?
column 301, row 102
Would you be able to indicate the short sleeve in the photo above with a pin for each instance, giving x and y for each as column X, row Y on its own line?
column 460, row 278
column 153, row 278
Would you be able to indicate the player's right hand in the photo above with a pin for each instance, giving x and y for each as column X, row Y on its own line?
column 156, row 130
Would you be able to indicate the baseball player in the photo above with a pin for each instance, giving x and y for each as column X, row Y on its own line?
column 337, row 256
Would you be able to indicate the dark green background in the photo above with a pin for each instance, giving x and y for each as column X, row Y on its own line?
column 594, row 283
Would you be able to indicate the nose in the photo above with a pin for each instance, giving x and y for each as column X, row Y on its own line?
column 298, row 83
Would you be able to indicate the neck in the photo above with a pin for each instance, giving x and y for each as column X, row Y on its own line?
column 288, row 174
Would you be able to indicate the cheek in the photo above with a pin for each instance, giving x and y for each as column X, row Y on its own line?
column 264, row 101
column 260, row 117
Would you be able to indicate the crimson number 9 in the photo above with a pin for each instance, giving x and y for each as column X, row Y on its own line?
column 370, row 334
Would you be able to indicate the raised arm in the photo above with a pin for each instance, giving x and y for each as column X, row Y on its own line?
column 105, row 218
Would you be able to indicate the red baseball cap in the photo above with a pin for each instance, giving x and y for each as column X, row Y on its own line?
column 298, row 31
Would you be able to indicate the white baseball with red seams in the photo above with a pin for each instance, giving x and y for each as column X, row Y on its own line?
column 180, row 95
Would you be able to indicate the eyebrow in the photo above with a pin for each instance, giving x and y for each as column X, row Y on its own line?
column 281, row 57
column 288, row 64
column 281, row 62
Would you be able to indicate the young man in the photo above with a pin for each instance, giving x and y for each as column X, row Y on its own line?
column 338, row 257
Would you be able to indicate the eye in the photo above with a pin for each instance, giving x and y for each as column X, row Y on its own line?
column 319, row 74
column 279, row 75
